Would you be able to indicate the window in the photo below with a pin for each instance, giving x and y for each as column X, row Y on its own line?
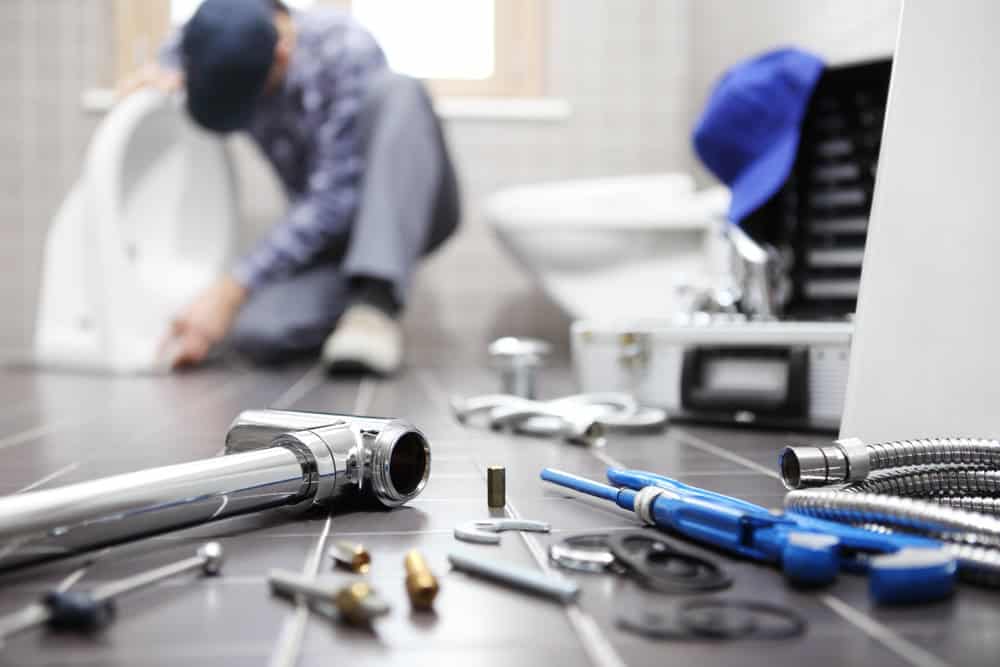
column 462, row 47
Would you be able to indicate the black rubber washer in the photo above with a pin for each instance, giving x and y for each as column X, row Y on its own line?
column 658, row 566
column 720, row 618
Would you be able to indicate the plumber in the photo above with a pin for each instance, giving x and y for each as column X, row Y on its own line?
column 363, row 159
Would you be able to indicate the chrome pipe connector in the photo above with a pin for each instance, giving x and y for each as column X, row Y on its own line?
column 850, row 459
column 846, row 460
column 322, row 459
column 390, row 459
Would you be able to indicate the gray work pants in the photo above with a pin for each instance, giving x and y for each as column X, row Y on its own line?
column 409, row 205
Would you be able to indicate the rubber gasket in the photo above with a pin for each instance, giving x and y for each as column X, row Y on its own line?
column 681, row 620
column 659, row 566
column 721, row 626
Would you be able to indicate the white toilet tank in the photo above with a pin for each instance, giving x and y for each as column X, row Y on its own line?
column 150, row 222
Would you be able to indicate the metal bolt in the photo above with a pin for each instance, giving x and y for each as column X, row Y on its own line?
column 356, row 602
column 352, row 556
column 421, row 584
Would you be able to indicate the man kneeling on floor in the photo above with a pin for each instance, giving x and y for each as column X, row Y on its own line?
column 363, row 159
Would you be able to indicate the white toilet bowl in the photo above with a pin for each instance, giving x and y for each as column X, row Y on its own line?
column 151, row 221
column 611, row 248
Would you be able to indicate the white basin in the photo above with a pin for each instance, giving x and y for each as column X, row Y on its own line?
column 611, row 248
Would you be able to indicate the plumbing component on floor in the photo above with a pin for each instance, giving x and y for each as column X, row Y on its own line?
column 716, row 368
column 496, row 487
column 944, row 488
column 89, row 611
column 387, row 461
column 851, row 459
column 526, row 579
column 517, row 361
column 645, row 556
column 357, row 603
column 711, row 618
column 580, row 418
column 810, row 551
column 421, row 584
column 657, row 565
column 487, row 531
column 588, row 552
column 351, row 556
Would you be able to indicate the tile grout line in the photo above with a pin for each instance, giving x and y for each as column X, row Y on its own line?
column 698, row 443
column 884, row 635
column 880, row 633
column 293, row 631
column 588, row 632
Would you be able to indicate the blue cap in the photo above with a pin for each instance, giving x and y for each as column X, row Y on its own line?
column 227, row 50
column 748, row 134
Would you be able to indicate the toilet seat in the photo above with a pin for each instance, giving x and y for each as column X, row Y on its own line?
column 150, row 222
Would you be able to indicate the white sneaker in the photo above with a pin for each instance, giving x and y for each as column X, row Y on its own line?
column 367, row 340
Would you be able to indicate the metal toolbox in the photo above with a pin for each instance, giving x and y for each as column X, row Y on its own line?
column 783, row 374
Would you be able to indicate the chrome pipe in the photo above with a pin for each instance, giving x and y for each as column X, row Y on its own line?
column 386, row 460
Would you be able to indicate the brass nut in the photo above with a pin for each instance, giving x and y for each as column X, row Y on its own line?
column 421, row 584
column 496, row 487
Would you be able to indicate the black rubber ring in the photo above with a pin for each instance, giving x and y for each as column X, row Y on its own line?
column 795, row 624
column 701, row 575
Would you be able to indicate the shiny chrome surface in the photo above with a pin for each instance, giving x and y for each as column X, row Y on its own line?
column 517, row 360
column 48, row 524
column 264, row 467
column 391, row 459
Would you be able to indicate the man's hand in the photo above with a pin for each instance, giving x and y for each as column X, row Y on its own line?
column 204, row 323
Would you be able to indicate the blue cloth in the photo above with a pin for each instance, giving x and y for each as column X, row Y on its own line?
column 748, row 134
column 309, row 131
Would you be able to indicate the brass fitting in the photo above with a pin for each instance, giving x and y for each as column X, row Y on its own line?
column 352, row 556
column 496, row 487
column 358, row 604
column 421, row 584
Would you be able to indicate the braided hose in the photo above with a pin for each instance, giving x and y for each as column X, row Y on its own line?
column 943, row 488
column 851, row 460
column 933, row 482
column 909, row 514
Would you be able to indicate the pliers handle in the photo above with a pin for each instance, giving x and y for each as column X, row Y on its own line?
column 810, row 551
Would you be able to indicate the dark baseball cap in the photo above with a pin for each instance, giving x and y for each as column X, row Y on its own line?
column 227, row 50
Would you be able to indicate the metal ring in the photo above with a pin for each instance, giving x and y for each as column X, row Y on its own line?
column 660, row 567
column 588, row 552
column 722, row 627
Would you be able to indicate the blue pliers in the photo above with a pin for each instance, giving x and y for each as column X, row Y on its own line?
column 809, row 551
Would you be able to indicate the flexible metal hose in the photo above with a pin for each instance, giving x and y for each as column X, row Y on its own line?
column 955, row 483
column 944, row 488
column 851, row 460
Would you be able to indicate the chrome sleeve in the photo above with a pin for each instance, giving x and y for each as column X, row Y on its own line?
column 386, row 459
column 852, row 460
column 40, row 525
